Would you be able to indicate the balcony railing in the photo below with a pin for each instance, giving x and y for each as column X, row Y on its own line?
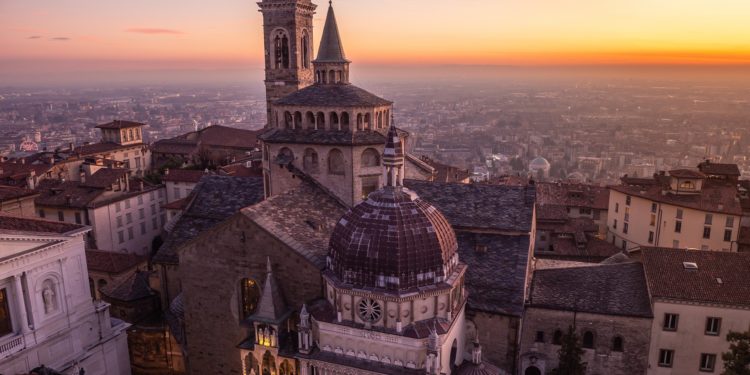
column 11, row 346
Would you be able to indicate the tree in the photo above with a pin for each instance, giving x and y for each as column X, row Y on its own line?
column 569, row 355
column 737, row 359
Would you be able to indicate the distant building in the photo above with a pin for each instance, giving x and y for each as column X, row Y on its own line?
column 213, row 146
column 121, row 141
column 125, row 215
column 539, row 168
column 47, row 316
column 17, row 201
column 697, row 297
column 179, row 183
column 682, row 209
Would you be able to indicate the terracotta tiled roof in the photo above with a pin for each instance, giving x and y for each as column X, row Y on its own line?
column 105, row 177
column 618, row 289
column 13, row 192
column 11, row 223
column 572, row 195
column 111, row 262
column 686, row 173
column 719, row 169
column 19, row 171
column 103, row 147
column 720, row 277
column 54, row 193
column 715, row 196
column 184, row 175
column 179, row 204
column 119, row 124
column 445, row 172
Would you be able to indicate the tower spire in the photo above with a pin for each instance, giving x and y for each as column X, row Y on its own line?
column 331, row 65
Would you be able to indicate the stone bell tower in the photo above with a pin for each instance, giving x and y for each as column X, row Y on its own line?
column 288, row 50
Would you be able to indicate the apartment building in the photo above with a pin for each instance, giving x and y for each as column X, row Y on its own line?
column 680, row 209
column 697, row 297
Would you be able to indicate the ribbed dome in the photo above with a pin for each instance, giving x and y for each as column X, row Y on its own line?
column 393, row 240
column 539, row 163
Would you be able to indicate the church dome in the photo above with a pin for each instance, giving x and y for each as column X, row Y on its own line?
column 393, row 240
column 539, row 163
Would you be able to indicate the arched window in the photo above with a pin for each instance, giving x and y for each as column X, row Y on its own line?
column 288, row 120
column 251, row 364
column 345, row 121
column 281, row 50
column 617, row 345
column 321, row 121
column 310, row 163
column 368, row 122
column 588, row 340
column 269, row 364
column 360, row 121
column 557, row 337
column 334, row 121
column 370, row 158
column 249, row 296
column 297, row 120
column 336, row 162
column 305, row 46
column 380, row 120
column 331, row 76
column 453, row 355
column 310, row 120
column 286, row 368
column 285, row 156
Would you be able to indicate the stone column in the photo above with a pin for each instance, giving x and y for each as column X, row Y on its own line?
column 21, row 304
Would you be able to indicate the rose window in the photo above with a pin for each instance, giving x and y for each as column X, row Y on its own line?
column 370, row 310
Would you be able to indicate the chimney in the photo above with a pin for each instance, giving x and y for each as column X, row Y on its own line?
column 166, row 171
column 83, row 177
column 70, row 146
column 68, row 199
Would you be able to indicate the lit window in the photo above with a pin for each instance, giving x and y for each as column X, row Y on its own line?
column 249, row 296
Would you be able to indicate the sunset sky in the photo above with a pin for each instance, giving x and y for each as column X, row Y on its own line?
column 40, row 35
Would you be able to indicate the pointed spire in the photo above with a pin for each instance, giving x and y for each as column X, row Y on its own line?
column 331, row 49
column 271, row 306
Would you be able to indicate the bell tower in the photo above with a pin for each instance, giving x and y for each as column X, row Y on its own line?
column 288, row 51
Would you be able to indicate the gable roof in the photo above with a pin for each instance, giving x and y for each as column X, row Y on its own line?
column 720, row 277
column 480, row 206
column 216, row 198
column 617, row 289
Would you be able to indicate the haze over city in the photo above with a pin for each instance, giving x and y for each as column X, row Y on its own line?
column 384, row 187
column 77, row 41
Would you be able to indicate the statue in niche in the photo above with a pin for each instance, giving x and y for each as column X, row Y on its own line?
column 48, row 296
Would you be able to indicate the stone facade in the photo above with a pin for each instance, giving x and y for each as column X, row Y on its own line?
column 498, row 332
column 541, row 351
column 211, row 269
column 288, row 47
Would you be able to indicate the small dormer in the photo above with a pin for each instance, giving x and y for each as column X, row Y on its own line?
column 122, row 132
column 686, row 181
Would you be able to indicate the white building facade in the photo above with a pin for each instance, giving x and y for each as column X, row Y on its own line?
column 47, row 316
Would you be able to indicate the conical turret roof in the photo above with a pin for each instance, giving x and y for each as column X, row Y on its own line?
column 271, row 307
column 331, row 49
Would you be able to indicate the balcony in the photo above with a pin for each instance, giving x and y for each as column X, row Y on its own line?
column 11, row 345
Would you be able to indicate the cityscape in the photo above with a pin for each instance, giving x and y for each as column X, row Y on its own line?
column 321, row 216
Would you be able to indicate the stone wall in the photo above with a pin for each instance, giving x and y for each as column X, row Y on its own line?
column 498, row 335
column 210, row 271
column 602, row 359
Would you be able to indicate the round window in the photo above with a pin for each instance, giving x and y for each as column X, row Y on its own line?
column 370, row 310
